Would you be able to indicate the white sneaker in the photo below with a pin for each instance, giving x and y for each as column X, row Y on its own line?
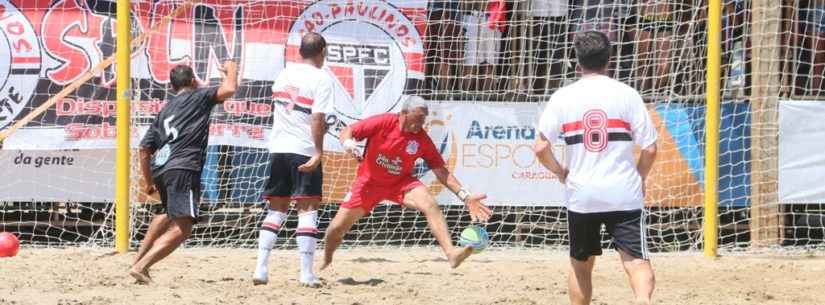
column 310, row 281
column 260, row 277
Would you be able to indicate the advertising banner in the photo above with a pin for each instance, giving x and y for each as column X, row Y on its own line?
column 58, row 175
column 375, row 54
column 489, row 147
column 801, row 161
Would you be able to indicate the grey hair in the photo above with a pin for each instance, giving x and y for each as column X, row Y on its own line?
column 413, row 102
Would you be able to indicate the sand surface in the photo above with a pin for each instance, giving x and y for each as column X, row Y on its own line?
column 399, row 276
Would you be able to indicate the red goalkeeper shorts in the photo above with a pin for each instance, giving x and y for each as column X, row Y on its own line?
column 367, row 195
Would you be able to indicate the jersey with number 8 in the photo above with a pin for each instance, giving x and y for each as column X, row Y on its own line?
column 600, row 120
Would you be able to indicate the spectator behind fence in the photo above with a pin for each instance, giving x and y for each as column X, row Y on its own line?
column 657, row 23
column 735, row 47
column 597, row 15
column 444, row 50
column 482, row 36
column 624, row 18
column 548, row 44
column 602, row 16
column 814, row 29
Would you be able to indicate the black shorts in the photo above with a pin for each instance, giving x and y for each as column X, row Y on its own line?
column 627, row 228
column 286, row 182
column 180, row 192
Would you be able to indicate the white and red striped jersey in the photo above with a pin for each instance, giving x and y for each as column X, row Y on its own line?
column 299, row 91
column 599, row 119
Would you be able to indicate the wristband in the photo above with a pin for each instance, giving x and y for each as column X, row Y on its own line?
column 463, row 194
column 350, row 144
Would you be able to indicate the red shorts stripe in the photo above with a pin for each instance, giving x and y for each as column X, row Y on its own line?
column 307, row 230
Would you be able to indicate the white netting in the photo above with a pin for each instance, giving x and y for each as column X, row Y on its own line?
column 468, row 51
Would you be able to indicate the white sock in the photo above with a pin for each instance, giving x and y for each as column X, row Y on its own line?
column 266, row 240
column 307, row 239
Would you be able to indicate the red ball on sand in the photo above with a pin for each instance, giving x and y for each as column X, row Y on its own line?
column 8, row 244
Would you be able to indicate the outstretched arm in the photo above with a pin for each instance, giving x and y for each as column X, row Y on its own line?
column 230, row 81
column 478, row 211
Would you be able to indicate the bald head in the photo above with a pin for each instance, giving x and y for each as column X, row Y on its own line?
column 312, row 46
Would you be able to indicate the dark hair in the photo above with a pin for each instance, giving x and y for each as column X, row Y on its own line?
column 312, row 44
column 181, row 76
column 592, row 49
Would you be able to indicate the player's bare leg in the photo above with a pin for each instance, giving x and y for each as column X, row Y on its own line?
column 268, row 235
column 307, row 238
column 340, row 225
column 420, row 199
column 179, row 229
column 642, row 279
column 580, row 281
column 159, row 225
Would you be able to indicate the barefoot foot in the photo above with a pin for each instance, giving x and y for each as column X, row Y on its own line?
column 457, row 255
column 142, row 277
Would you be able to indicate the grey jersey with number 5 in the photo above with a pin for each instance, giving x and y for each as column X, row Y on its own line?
column 180, row 132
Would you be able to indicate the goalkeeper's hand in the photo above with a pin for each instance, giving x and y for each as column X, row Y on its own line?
column 351, row 148
column 478, row 211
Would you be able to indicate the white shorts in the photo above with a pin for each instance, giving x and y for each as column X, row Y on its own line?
column 482, row 41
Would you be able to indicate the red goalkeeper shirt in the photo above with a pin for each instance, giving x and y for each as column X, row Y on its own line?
column 391, row 153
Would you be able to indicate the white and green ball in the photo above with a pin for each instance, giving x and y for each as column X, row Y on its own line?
column 475, row 237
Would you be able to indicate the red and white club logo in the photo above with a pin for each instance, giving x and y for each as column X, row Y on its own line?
column 19, row 62
column 374, row 53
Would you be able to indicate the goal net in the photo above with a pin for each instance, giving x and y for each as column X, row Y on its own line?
column 488, row 66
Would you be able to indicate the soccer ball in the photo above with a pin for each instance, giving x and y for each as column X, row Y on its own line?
column 8, row 244
column 475, row 237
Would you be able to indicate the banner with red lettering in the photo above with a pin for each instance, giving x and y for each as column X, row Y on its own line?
column 375, row 54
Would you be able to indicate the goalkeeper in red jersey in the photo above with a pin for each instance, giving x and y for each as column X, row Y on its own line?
column 394, row 143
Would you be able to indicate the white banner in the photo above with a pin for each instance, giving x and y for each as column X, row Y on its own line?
column 58, row 175
column 801, row 143
column 489, row 147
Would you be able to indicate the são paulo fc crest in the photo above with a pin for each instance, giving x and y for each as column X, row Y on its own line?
column 374, row 55
column 20, row 62
column 412, row 147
